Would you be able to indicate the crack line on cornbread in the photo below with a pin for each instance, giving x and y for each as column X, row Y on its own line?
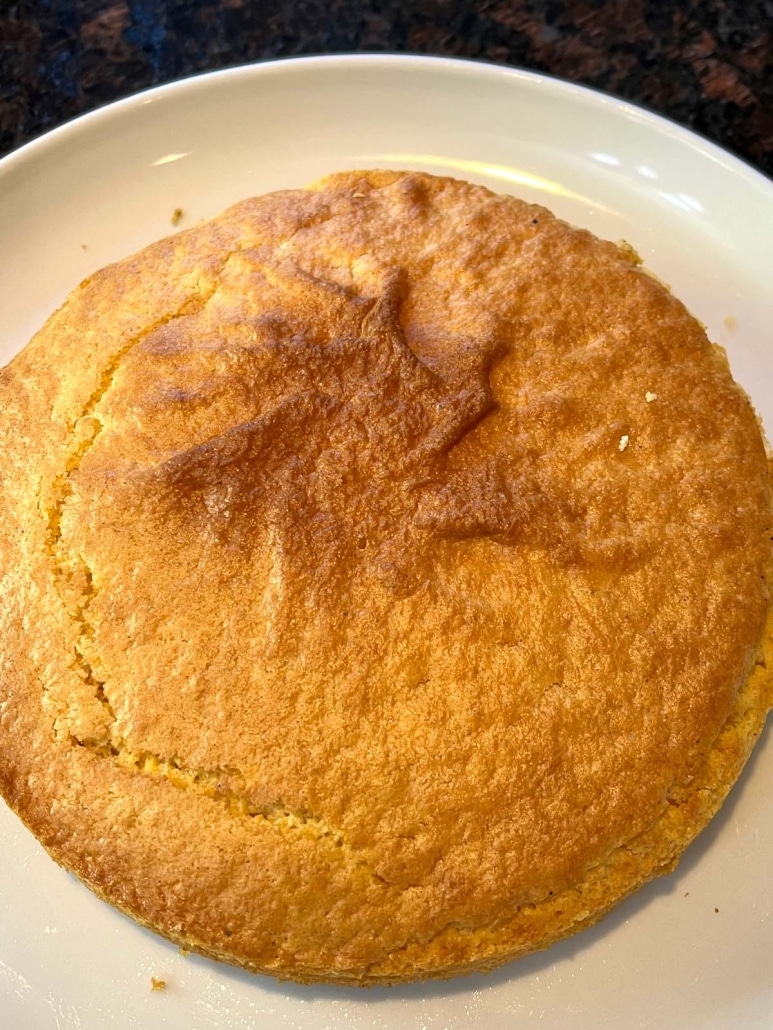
column 70, row 572
column 210, row 783
column 73, row 582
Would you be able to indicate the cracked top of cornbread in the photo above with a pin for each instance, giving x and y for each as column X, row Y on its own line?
column 385, row 580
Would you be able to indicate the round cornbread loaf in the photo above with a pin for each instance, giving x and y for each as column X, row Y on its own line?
column 385, row 577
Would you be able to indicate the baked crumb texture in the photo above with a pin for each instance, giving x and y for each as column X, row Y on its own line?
column 360, row 622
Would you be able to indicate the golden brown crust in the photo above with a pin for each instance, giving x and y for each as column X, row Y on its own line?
column 386, row 581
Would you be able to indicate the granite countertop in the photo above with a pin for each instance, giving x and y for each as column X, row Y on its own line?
column 707, row 64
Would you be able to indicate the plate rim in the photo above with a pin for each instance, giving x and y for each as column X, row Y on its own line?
column 562, row 89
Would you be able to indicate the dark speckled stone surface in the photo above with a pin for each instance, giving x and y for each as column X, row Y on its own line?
column 707, row 64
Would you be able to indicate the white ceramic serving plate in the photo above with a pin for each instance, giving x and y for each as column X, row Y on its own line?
column 691, row 951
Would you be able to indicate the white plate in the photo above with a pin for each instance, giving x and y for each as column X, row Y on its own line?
column 103, row 186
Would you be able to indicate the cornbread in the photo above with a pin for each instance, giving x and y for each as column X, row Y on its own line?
column 385, row 575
